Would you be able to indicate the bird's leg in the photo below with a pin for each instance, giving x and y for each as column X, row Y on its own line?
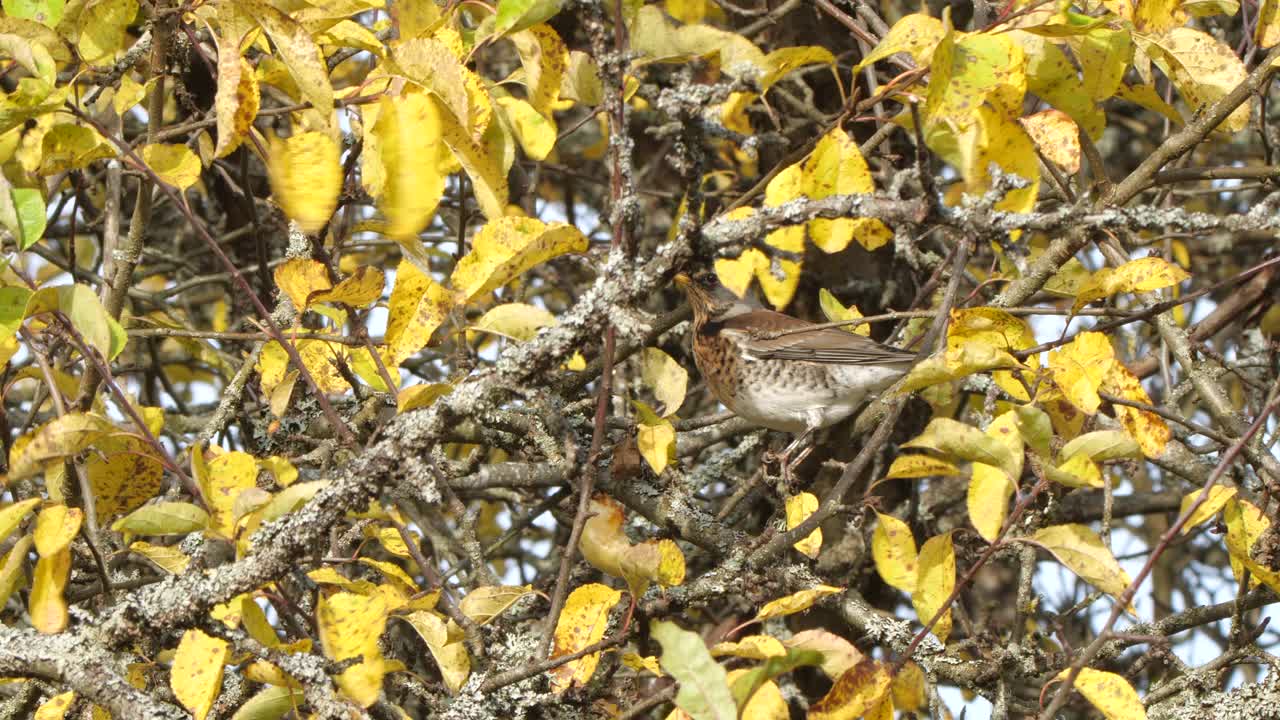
column 788, row 463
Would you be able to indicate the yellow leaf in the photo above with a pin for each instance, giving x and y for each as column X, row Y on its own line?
column 362, row 288
column 306, row 177
column 581, row 81
column 955, row 438
column 988, row 500
column 665, row 377
column 168, row 557
column 56, row 707
column 280, row 468
column 56, row 527
column 13, row 514
column 919, row 466
column 349, row 626
column 1148, row 429
column 421, row 396
column 228, row 475
column 691, row 11
column 408, row 129
column 1101, row 446
column 752, row 647
column 516, row 321
column 917, row 35
column 909, row 688
column 1079, row 367
column 508, row 246
column 196, row 676
column 536, row 133
column 894, row 551
column 102, row 29
column 796, row 602
column 417, row 307
column 970, row 69
column 969, row 357
column 174, row 164
column 837, row 312
column 59, row 438
column 298, row 278
column 766, row 703
column 647, row 663
column 581, row 624
column 1077, row 471
column 1203, row 69
column 546, row 61
column 487, row 602
column 450, row 657
column 1136, row 276
column 237, row 101
column 782, row 61
column 1245, row 525
column 935, row 579
column 655, row 438
column 855, row 693
column 1082, row 551
column 300, row 53
column 799, row 508
column 47, row 607
column 124, row 473
column 1057, row 137
column 778, row 277
column 488, row 177
column 13, row 565
column 838, row 654
column 836, row 167
column 1217, row 497
column 1266, row 32
column 1110, row 693
column 736, row 274
column 605, row 546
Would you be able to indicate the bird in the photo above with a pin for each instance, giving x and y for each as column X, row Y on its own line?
column 781, row 372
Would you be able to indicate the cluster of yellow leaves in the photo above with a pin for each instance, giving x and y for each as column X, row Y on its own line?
column 1083, row 368
column 835, row 167
column 929, row 576
column 655, row 433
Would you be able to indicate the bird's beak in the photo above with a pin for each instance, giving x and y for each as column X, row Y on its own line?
column 683, row 280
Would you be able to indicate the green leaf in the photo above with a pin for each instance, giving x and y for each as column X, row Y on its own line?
column 81, row 306
column 13, row 308
column 163, row 518
column 1102, row 446
column 45, row 12
column 746, row 685
column 1035, row 428
column 516, row 15
column 704, row 687
column 28, row 205
column 272, row 703
column 969, row 443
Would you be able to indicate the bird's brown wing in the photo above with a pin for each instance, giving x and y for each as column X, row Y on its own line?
column 820, row 345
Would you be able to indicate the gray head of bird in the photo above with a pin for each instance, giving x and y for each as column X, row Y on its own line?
column 709, row 298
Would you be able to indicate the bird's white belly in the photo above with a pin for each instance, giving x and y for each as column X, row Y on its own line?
column 823, row 395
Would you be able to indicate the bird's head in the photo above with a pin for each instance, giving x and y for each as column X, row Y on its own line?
column 710, row 299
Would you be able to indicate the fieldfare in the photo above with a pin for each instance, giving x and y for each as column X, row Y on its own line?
column 781, row 372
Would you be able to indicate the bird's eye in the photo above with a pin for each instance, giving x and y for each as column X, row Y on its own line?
column 709, row 281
